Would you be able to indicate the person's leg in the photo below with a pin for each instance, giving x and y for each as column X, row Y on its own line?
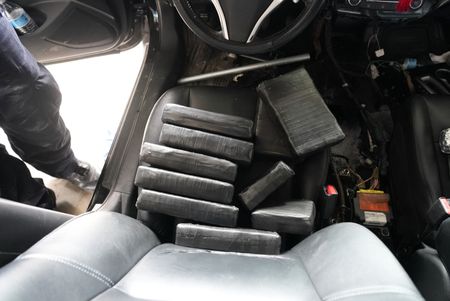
column 29, row 109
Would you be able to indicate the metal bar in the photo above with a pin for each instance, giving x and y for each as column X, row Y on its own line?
column 254, row 58
column 242, row 69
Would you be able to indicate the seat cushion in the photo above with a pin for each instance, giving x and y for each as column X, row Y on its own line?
column 77, row 261
column 429, row 274
column 108, row 256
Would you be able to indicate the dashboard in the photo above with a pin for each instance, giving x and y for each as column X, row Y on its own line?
column 385, row 9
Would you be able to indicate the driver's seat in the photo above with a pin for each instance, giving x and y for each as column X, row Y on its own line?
column 311, row 173
column 109, row 256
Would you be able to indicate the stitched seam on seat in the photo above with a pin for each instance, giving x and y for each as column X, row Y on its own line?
column 74, row 264
column 118, row 281
column 370, row 290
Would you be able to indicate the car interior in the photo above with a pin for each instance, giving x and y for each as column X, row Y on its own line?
column 271, row 150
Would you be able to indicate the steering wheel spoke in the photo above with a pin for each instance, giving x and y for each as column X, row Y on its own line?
column 222, row 18
column 267, row 12
column 241, row 21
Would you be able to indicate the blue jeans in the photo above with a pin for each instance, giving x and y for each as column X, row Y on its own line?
column 29, row 108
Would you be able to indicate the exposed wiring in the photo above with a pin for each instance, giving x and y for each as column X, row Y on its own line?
column 346, row 196
column 383, row 63
column 360, row 182
column 367, row 121
column 378, row 62
column 369, row 42
column 374, row 179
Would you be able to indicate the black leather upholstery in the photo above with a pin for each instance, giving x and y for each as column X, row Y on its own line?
column 419, row 171
column 419, row 176
column 429, row 267
column 108, row 256
column 429, row 274
column 22, row 225
column 443, row 244
column 310, row 174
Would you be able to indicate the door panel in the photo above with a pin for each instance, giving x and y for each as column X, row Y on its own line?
column 71, row 29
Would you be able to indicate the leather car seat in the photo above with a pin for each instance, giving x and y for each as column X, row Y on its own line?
column 109, row 256
column 428, row 267
column 420, row 174
column 311, row 173
column 419, row 171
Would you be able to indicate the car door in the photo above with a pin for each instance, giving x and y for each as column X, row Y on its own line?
column 73, row 29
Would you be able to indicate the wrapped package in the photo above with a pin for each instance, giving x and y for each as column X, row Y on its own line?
column 228, row 239
column 295, row 217
column 183, row 207
column 256, row 193
column 184, row 185
column 301, row 111
column 224, row 147
column 188, row 162
column 227, row 125
column 270, row 138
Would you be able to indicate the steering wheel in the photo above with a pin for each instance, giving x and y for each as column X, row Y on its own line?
column 241, row 20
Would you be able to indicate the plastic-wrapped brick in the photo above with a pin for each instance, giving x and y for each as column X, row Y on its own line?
column 183, row 207
column 212, row 144
column 295, row 217
column 188, row 162
column 256, row 193
column 227, row 125
column 184, row 185
column 270, row 138
column 301, row 111
column 228, row 239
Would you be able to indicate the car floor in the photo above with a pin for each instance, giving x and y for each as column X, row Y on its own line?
column 95, row 93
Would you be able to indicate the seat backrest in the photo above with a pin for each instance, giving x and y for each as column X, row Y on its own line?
column 310, row 173
column 419, row 171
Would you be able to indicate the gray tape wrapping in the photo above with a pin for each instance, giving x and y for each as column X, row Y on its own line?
column 224, row 147
column 227, row 125
column 188, row 162
column 229, row 240
column 184, row 185
column 301, row 111
column 256, row 193
column 182, row 207
column 295, row 217
column 270, row 137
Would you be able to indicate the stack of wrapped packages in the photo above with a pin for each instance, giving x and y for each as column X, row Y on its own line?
column 191, row 173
